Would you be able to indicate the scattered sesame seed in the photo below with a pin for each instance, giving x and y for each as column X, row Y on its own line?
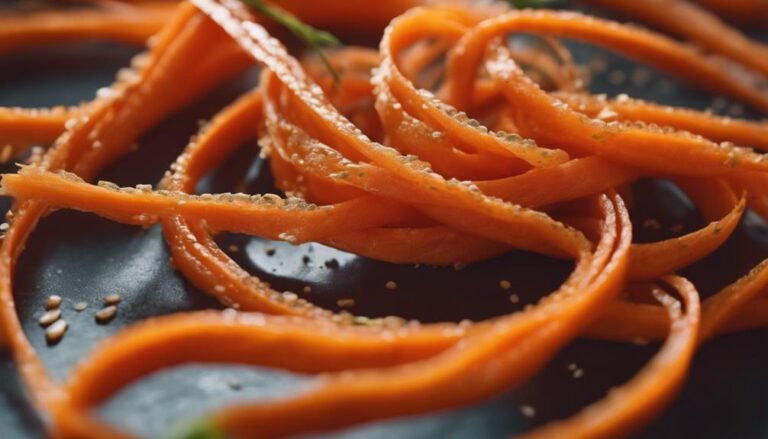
column 49, row 317
column 219, row 288
column 234, row 248
column 677, row 228
column 270, row 251
column 106, row 314
column 640, row 77
column 572, row 367
column 640, row 341
column 505, row 284
column 52, row 302
column 736, row 109
column 598, row 65
column 346, row 303
column 112, row 299
column 290, row 296
column 528, row 411
column 361, row 321
column 80, row 306
column 578, row 373
column 391, row 285
column 514, row 298
column 651, row 224
column 55, row 332
column 307, row 289
column 617, row 77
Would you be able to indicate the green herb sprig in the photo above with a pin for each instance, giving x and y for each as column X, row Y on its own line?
column 315, row 39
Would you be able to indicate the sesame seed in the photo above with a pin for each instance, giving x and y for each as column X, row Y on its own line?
column 106, row 314
column 598, row 65
column 617, row 77
column 528, row 411
column 651, row 224
column 290, row 296
column 80, row 306
column 219, row 288
column 736, row 109
column 514, row 298
column 361, row 321
column 505, row 284
column 391, row 285
column 49, row 317
column 640, row 341
column 307, row 289
column 346, row 303
column 52, row 302
column 112, row 299
column 55, row 332
column 234, row 248
column 640, row 77
column 578, row 373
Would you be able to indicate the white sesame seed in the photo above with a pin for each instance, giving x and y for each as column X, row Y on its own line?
column 651, row 224
column 80, row 306
column 617, row 77
column 56, row 331
column 112, row 299
column 106, row 314
column 640, row 341
column 578, row 373
column 52, row 302
column 505, row 284
column 307, row 289
column 514, row 298
column 49, row 317
column 346, row 303
column 391, row 285
column 528, row 411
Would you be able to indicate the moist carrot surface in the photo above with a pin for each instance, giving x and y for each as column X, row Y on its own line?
column 443, row 146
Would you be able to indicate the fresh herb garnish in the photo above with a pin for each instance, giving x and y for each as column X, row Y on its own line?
column 315, row 39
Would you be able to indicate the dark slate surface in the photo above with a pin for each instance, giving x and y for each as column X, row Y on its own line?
column 82, row 257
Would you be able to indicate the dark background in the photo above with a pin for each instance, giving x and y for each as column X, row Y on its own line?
column 82, row 258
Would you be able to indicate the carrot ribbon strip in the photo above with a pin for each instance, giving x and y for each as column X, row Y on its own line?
column 388, row 165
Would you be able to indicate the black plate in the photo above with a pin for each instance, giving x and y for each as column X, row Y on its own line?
column 82, row 258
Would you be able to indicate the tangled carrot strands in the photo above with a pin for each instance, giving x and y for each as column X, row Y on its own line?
column 388, row 164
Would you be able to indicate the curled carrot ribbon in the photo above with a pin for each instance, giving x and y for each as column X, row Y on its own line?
column 438, row 148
